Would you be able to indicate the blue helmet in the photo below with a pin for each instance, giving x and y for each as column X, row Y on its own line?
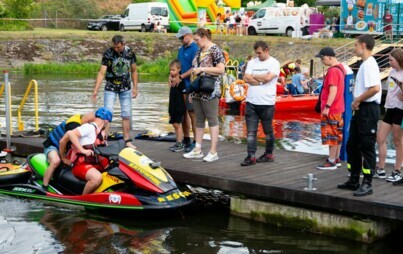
column 104, row 114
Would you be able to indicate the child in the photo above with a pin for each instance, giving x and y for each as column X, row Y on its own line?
column 177, row 105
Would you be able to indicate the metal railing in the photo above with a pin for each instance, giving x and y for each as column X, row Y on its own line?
column 20, row 123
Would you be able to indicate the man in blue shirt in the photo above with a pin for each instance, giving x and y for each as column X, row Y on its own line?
column 186, row 54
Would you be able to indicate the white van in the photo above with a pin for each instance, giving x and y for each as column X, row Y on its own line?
column 279, row 20
column 142, row 16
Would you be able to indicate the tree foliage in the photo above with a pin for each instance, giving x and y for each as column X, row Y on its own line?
column 19, row 9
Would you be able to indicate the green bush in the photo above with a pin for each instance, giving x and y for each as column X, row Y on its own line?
column 57, row 68
column 14, row 25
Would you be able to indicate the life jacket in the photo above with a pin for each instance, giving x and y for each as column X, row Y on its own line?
column 57, row 133
column 73, row 152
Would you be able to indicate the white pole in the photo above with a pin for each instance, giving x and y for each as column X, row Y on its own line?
column 8, row 110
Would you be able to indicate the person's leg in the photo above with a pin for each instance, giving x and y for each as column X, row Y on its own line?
column 178, row 132
column 54, row 161
column 252, row 122
column 125, row 99
column 398, row 141
column 109, row 102
column 210, row 108
column 200, row 122
column 266, row 114
column 94, row 179
column 382, row 136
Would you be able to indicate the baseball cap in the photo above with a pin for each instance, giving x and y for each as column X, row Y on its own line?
column 184, row 30
column 327, row 51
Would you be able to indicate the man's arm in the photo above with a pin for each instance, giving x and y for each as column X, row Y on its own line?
column 62, row 149
column 367, row 94
column 98, row 81
column 134, row 75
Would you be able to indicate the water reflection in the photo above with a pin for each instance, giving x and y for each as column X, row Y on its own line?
column 62, row 96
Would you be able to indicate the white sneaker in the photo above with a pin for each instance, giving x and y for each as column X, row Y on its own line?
column 194, row 154
column 211, row 157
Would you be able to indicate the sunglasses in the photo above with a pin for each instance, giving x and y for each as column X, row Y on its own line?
column 181, row 38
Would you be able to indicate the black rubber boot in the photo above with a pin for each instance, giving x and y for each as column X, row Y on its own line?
column 352, row 184
column 365, row 188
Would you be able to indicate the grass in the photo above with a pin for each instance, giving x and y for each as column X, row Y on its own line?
column 58, row 68
column 238, row 48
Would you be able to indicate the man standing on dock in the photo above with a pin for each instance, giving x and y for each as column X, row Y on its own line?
column 118, row 67
column 186, row 54
column 332, row 108
column 364, row 123
column 261, row 74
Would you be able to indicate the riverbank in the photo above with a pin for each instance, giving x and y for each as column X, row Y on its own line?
column 42, row 46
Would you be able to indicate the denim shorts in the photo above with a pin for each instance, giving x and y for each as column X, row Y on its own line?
column 48, row 149
column 125, row 99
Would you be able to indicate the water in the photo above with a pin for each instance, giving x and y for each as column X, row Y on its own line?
column 30, row 226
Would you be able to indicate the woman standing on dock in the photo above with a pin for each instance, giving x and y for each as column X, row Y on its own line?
column 209, row 61
column 393, row 119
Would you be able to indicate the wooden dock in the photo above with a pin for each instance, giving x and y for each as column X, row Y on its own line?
column 280, row 181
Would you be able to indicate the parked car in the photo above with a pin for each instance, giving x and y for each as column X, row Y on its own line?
column 105, row 23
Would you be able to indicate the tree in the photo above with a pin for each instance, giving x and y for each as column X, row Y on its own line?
column 19, row 9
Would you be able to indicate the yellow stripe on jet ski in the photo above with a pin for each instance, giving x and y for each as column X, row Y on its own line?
column 142, row 161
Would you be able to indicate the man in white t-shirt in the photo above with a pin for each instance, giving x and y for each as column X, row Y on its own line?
column 261, row 74
column 364, row 123
column 82, row 137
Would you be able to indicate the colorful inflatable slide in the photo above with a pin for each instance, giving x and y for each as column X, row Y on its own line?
column 185, row 12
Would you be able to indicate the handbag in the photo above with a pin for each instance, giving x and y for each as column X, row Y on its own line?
column 317, row 106
column 194, row 85
column 207, row 84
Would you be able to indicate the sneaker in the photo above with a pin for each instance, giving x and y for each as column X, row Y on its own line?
column 194, row 154
column 189, row 147
column 395, row 176
column 44, row 188
column 380, row 173
column 266, row 157
column 178, row 147
column 338, row 162
column 398, row 183
column 211, row 157
column 327, row 166
column 249, row 160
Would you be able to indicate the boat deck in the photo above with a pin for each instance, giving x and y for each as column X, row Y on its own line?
column 280, row 181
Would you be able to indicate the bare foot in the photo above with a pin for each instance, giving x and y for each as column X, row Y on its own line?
column 129, row 144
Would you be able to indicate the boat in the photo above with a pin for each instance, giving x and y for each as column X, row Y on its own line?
column 289, row 103
column 131, row 181
column 13, row 173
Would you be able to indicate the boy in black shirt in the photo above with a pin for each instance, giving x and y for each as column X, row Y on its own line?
column 177, row 106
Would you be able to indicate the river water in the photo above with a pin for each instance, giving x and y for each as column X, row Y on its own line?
column 30, row 226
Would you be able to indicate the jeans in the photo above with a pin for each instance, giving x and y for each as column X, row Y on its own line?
column 292, row 89
column 125, row 99
column 265, row 114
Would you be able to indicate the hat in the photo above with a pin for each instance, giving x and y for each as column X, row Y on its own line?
column 327, row 51
column 183, row 31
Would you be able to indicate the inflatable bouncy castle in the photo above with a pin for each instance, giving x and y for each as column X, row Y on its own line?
column 192, row 12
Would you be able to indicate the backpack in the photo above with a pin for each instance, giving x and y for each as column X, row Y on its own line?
column 318, row 105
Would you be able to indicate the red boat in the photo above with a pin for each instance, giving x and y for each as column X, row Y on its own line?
column 289, row 103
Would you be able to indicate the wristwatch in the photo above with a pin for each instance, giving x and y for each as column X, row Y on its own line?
column 327, row 106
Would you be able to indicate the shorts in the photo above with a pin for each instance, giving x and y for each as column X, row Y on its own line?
column 176, row 118
column 125, row 99
column 189, row 105
column 81, row 167
column 206, row 110
column 331, row 127
column 50, row 148
column 393, row 116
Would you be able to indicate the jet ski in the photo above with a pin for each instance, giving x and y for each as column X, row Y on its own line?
column 131, row 181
